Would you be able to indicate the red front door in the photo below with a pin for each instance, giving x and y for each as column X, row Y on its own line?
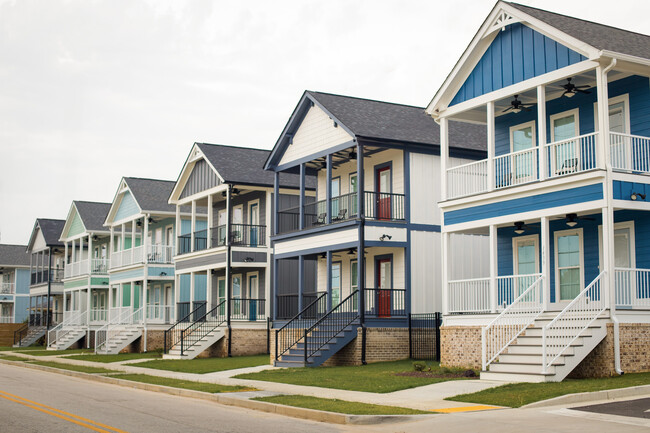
column 384, row 278
column 384, row 189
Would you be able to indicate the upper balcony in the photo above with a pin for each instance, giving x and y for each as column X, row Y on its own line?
column 151, row 254
column 7, row 288
column 87, row 267
column 44, row 276
column 241, row 235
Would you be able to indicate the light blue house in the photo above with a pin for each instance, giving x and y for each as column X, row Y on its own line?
column 562, row 197
column 14, row 283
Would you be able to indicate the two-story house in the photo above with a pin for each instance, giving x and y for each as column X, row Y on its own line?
column 366, row 252
column 85, row 279
column 47, row 262
column 223, row 264
column 142, row 233
column 14, row 283
column 561, row 196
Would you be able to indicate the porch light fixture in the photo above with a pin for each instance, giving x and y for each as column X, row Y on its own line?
column 637, row 195
column 571, row 219
column 162, row 274
column 323, row 256
column 519, row 227
column 138, row 223
column 385, row 237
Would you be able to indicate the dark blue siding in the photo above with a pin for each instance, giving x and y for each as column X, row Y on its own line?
column 503, row 63
column 623, row 190
column 541, row 201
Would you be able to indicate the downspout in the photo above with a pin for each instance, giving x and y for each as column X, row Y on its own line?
column 49, row 288
column 228, row 266
column 361, row 259
column 610, row 204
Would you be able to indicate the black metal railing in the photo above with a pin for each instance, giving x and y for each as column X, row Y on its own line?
column 39, row 277
column 200, row 328
column 20, row 333
column 287, row 305
column 384, row 206
column 424, row 336
column 248, row 235
column 172, row 335
column 247, row 309
column 185, row 243
column 201, row 240
column 344, row 207
column 292, row 332
column 382, row 302
column 218, row 236
column 330, row 325
column 288, row 220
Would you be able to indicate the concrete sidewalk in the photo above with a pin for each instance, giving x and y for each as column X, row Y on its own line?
column 428, row 397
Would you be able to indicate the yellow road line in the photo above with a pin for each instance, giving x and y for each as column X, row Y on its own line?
column 465, row 409
column 84, row 422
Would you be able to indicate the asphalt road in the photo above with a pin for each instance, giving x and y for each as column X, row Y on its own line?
column 35, row 401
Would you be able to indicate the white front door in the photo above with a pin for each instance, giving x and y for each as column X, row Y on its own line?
column 526, row 258
column 569, row 264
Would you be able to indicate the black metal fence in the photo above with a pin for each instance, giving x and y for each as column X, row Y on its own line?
column 424, row 336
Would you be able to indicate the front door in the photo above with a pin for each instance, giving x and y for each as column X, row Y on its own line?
column 526, row 263
column 221, row 288
column 569, row 275
column 336, row 284
column 168, row 302
column 384, row 190
column 626, row 281
column 254, row 221
column 384, row 282
column 253, row 295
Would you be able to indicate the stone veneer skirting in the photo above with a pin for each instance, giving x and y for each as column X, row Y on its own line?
column 461, row 347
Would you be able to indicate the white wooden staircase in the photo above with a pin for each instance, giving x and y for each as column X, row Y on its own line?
column 68, row 332
column 121, row 330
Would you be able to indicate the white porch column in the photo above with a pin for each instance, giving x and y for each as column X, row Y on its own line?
column 111, row 247
column 607, row 286
column 65, row 259
column 145, row 311
column 123, row 243
column 90, row 254
column 177, row 228
column 444, row 155
column 491, row 140
column 81, row 255
column 208, row 289
column 191, row 290
column 602, row 93
column 133, row 241
column 210, row 222
column 445, row 273
column 541, row 132
column 74, row 253
column 546, row 263
column 193, row 225
column 145, row 236
column 88, row 304
column 494, row 290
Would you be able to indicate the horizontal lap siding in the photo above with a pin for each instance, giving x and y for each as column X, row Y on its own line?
column 76, row 226
column 128, row 207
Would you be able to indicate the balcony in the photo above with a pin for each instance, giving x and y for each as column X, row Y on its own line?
column 85, row 267
column 42, row 277
column 156, row 254
column 378, row 205
column 6, row 319
column 629, row 153
column 241, row 235
column 7, row 288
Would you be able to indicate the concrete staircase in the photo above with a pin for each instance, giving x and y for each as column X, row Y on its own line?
column 295, row 357
column 33, row 334
column 119, row 339
column 522, row 360
column 195, row 349
column 66, row 338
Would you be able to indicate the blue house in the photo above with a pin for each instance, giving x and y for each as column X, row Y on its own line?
column 562, row 197
column 14, row 283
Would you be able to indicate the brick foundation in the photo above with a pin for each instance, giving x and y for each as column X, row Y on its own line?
column 460, row 346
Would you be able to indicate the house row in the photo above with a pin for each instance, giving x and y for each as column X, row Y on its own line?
column 514, row 203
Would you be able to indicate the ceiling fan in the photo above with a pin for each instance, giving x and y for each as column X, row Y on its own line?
column 572, row 219
column 571, row 89
column 520, row 227
column 516, row 106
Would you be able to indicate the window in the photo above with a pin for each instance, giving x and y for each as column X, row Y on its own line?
column 221, row 294
column 526, row 262
column 524, row 165
column 622, row 149
column 336, row 192
column 569, row 275
column 336, row 284
column 564, row 126
column 353, row 196
column 354, row 275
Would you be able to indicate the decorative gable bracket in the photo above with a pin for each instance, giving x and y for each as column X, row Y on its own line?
column 502, row 20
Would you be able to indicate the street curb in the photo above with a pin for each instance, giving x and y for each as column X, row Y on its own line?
column 588, row 397
column 262, row 406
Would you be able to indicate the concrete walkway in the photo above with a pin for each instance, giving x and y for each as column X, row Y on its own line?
column 428, row 397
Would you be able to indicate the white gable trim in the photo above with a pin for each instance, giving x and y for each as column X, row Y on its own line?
column 115, row 204
column 194, row 156
column 498, row 18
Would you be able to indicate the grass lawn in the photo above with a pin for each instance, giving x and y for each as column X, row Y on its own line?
column 80, row 368
column 115, row 358
column 185, row 384
column 520, row 394
column 21, row 349
column 339, row 406
column 12, row 358
column 45, row 352
column 376, row 377
column 205, row 365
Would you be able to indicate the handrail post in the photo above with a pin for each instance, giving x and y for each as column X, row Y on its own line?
column 483, row 348
column 305, row 351
column 544, row 350
column 182, row 332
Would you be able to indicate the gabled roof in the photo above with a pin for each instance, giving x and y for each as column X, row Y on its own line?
column 597, row 35
column 92, row 214
column 51, row 230
column 151, row 194
column 13, row 255
column 379, row 120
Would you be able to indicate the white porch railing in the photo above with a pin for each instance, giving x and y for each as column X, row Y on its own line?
column 160, row 313
column 632, row 288
column 469, row 296
column 127, row 257
column 629, row 152
column 467, row 179
column 116, row 325
column 160, row 254
column 567, row 326
column 99, row 266
column 72, row 320
column 6, row 319
column 516, row 168
column 515, row 318
column 75, row 269
column 7, row 288
column 572, row 155
column 98, row 315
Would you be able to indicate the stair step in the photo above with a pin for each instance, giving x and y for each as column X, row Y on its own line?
column 508, row 358
column 522, row 349
column 525, row 340
column 501, row 367
column 516, row 377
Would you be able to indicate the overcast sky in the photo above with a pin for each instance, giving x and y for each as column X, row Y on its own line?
column 91, row 91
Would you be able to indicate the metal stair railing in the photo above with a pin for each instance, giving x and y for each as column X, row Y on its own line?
column 292, row 332
column 571, row 322
column 330, row 325
column 513, row 320
column 20, row 333
column 172, row 335
column 203, row 326
column 116, row 325
column 64, row 328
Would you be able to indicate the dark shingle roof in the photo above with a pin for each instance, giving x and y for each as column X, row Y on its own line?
column 599, row 36
column 151, row 194
column 93, row 214
column 13, row 255
column 51, row 230
column 246, row 166
column 388, row 121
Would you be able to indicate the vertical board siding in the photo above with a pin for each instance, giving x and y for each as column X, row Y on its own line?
column 200, row 287
column 503, row 64
column 128, row 207
column 201, row 178
column 465, row 265
column 21, row 304
column 245, row 200
column 22, row 281
column 426, row 280
column 184, row 288
column 76, row 226
column 424, row 193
